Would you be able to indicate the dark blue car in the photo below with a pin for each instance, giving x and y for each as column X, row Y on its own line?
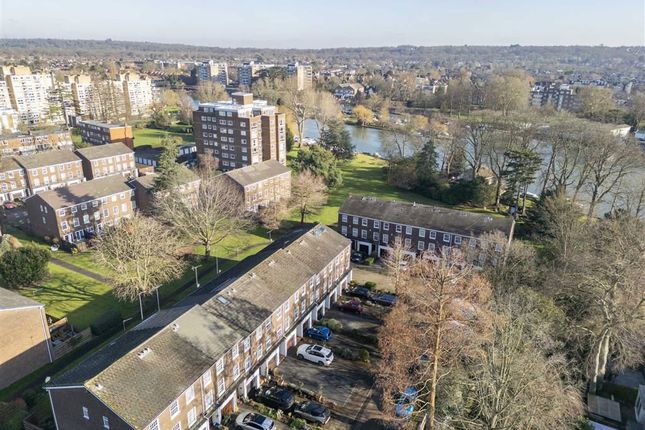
column 319, row 333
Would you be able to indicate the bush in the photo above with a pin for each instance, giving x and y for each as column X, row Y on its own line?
column 297, row 423
column 370, row 285
column 369, row 261
column 368, row 338
column 12, row 414
column 344, row 352
column 333, row 324
column 24, row 267
column 364, row 355
column 108, row 322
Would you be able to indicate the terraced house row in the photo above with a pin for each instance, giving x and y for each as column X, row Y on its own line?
column 373, row 225
column 26, row 175
column 186, row 366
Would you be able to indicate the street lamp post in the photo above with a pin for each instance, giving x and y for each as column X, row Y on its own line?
column 196, row 278
column 269, row 233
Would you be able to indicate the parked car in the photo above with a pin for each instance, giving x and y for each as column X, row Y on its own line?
column 316, row 354
column 253, row 421
column 276, row 397
column 386, row 299
column 313, row 412
column 319, row 332
column 357, row 257
column 352, row 305
column 405, row 405
column 362, row 292
column 9, row 205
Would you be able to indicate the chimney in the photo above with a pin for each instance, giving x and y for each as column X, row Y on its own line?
column 242, row 98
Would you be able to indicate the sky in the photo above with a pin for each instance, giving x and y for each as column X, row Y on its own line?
column 330, row 23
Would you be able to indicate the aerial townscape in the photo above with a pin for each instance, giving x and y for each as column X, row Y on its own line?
column 339, row 215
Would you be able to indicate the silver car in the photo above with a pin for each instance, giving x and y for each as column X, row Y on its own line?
column 253, row 421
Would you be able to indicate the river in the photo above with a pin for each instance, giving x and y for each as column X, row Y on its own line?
column 365, row 139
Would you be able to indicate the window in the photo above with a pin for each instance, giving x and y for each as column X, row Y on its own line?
column 375, row 237
column 446, row 237
column 258, row 352
column 258, row 333
column 355, row 219
column 76, row 222
column 219, row 366
column 343, row 230
column 344, row 217
column 208, row 399
column 472, row 242
column 207, row 378
column 177, row 426
column 174, row 408
column 431, row 246
column 61, row 212
column 63, row 224
column 408, row 230
column 115, row 209
column 154, row 425
column 192, row 416
column 86, row 413
column 355, row 232
column 408, row 243
column 106, row 423
column 86, row 219
column 421, row 245
column 247, row 344
column 363, row 234
column 247, row 363
column 386, row 226
column 221, row 387
column 386, row 238
column 235, row 351
column 422, row 232
column 433, row 234
column 73, row 209
column 377, row 224
column 399, row 228
column 83, row 206
column 364, row 222
column 106, row 212
column 236, row 371
column 457, row 240
column 124, row 207
column 190, row 394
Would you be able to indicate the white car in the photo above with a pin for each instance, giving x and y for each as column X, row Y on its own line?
column 316, row 354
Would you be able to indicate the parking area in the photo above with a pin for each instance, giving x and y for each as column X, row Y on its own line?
column 348, row 384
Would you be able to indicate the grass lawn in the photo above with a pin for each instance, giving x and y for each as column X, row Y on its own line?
column 151, row 136
column 78, row 297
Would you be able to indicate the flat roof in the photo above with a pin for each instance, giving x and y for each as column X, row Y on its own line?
column 257, row 172
column 47, row 158
column 102, row 151
column 11, row 300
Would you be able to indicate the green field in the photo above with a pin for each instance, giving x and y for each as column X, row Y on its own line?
column 153, row 137
column 79, row 298
column 365, row 175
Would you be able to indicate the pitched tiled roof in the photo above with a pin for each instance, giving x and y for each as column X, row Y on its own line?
column 84, row 192
column 187, row 339
column 101, row 151
column 46, row 158
column 8, row 164
column 257, row 172
column 11, row 300
column 430, row 217
column 185, row 176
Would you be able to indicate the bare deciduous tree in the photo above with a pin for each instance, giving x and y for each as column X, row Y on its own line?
column 440, row 316
column 207, row 216
column 300, row 103
column 514, row 384
column 141, row 254
column 308, row 193
column 208, row 91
